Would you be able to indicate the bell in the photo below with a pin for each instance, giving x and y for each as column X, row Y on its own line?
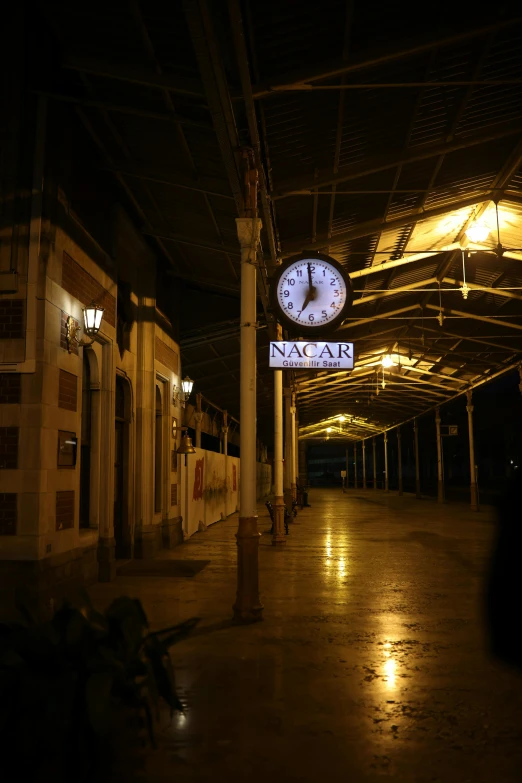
column 186, row 446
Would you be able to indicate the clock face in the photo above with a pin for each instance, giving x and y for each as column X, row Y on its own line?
column 311, row 294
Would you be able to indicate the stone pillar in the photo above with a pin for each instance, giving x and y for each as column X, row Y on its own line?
column 198, row 416
column 386, row 482
column 145, row 544
column 248, row 607
column 355, row 465
column 278, row 531
column 417, row 468
column 374, row 445
column 440, row 469
column 472, row 471
column 364, row 463
column 399, row 459
column 288, row 496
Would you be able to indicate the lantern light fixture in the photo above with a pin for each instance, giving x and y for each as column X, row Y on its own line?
column 182, row 395
column 92, row 319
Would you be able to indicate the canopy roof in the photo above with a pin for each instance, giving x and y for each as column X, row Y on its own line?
column 381, row 139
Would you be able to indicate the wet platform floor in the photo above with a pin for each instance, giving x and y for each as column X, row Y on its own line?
column 371, row 662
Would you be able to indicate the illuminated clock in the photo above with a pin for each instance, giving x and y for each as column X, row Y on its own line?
column 311, row 294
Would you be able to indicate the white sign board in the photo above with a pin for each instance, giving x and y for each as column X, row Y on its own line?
column 311, row 355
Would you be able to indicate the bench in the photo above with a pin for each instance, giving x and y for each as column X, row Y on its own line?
column 271, row 512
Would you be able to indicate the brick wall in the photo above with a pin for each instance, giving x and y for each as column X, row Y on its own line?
column 9, row 448
column 173, row 494
column 8, row 513
column 10, row 388
column 166, row 355
column 86, row 289
column 11, row 319
column 65, row 509
column 68, row 391
column 63, row 334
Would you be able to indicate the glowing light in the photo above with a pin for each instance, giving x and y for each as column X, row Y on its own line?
column 390, row 671
column 328, row 429
column 342, row 418
column 387, row 361
column 478, row 232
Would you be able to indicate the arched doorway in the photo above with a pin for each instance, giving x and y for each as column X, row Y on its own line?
column 122, row 526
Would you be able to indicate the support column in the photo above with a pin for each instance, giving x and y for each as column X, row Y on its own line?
column 355, row 465
column 347, row 469
column 399, row 458
column 248, row 607
column 288, row 496
column 296, row 447
column 417, row 468
column 293, row 450
column 374, row 445
column 440, row 470
column 472, row 471
column 386, row 483
column 364, row 463
column 224, row 432
column 303, row 463
column 198, row 416
column 278, row 536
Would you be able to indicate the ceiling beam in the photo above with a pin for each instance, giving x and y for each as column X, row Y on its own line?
column 462, row 314
column 410, row 155
column 400, row 290
column 182, row 240
column 145, row 77
column 378, row 58
column 370, row 227
column 212, row 186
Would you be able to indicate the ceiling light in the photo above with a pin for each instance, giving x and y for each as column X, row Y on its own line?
column 478, row 232
column 387, row 361
column 328, row 429
column 342, row 418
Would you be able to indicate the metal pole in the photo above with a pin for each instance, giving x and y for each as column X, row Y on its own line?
column 386, row 483
column 472, row 472
column 278, row 536
column 374, row 463
column 224, row 430
column 296, row 445
column 440, row 472
column 355, row 465
column 417, row 467
column 347, row 471
column 399, row 459
column 288, row 463
column 292, row 449
column 364, row 463
column 248, row 606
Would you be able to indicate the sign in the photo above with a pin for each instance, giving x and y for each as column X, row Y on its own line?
column 449, row 429
column 343, row 474
column 311, row 355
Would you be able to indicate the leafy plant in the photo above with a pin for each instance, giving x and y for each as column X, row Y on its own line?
column 64, row 685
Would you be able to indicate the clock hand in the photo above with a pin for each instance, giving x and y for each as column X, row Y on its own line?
column 309, row 297
column 310, row 283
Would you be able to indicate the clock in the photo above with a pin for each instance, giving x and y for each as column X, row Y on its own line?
column 311, row 294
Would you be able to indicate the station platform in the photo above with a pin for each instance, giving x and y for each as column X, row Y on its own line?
column 371, row 663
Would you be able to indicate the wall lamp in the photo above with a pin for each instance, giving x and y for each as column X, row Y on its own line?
column 92, row 318
column 182, row 395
